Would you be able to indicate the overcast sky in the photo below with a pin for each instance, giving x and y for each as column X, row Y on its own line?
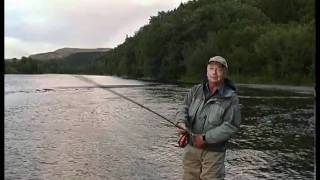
column 36, row 26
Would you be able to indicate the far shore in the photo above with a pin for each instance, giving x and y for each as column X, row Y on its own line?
column 305, row 89
column 300, row 89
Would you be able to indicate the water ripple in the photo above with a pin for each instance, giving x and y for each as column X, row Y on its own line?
column 89, row 133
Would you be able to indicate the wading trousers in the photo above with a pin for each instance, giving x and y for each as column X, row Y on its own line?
column 199, row 164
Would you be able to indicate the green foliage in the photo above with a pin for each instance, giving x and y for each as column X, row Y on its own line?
column 25, row 66
column 287, row 52
column 83, row 62
column 264, row 41
column 286, row 11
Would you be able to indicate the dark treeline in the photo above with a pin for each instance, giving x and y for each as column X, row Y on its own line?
column 264, row 41
column 77, row 63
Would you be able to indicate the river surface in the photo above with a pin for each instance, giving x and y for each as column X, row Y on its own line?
column 58, row 126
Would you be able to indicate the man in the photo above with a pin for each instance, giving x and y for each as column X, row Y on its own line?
column 209, row 115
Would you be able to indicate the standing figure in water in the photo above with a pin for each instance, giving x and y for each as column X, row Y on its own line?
column 209, row 116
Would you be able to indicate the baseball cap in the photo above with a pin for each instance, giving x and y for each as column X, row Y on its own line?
column 220, row 60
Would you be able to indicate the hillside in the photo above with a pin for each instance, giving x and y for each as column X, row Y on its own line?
column 64, row 52
column 264, row 41
column 66, row 60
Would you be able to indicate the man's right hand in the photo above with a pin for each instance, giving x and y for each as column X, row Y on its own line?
column 182, row 129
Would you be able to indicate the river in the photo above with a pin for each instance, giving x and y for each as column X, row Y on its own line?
column 60, row 127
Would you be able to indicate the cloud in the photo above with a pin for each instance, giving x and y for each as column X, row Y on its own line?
column 14, row 46
column 75, row 23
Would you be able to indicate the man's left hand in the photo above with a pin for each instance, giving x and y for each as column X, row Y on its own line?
column 197, row 140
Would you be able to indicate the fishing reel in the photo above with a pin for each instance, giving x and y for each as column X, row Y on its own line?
column 182, row 142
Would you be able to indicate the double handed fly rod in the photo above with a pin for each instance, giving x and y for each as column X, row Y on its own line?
column 124, row 97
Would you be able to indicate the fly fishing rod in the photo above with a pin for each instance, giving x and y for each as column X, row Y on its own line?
column 124, row 97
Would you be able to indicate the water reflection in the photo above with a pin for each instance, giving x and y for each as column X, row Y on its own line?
column 89, row 133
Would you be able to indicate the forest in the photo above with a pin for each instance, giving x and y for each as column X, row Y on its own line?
column 264, row 41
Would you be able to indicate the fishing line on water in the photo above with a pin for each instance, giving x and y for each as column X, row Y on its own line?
column 124, row 97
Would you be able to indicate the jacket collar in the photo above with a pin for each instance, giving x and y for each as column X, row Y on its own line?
column 226, row 89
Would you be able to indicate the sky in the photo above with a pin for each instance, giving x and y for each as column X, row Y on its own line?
column 38, row 26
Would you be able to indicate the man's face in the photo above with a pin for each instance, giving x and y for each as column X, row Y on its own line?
column 215, row 73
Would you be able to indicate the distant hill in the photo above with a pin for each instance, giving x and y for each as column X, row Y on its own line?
column 10, row 60
column 65, row 60
column 264, row 41
column 63, row 53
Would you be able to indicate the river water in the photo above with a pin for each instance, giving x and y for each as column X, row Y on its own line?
column 60, row 127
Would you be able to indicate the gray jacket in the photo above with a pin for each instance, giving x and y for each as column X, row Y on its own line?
column 219, row 114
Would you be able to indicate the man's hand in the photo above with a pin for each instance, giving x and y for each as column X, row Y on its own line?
column 182, row 129
column 197, row 140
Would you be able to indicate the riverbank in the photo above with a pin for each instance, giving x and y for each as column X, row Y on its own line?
column 306, row 89
column 300, row 89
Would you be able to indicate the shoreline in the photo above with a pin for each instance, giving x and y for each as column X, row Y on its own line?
column 299, row 89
